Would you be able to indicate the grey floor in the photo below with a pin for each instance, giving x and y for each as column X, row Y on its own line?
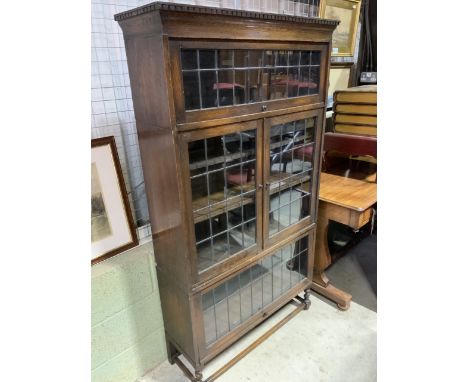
column 322, row 344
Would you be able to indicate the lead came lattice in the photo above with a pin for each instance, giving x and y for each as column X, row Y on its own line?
column 215, row 78
column 222, row 174
column 240, row 297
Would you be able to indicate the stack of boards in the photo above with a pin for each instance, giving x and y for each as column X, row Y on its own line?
column 355, row 110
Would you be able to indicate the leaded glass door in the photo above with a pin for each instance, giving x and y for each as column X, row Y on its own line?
column 234, row 302
column 290, row 173
column 219, row 79
column 225, row 175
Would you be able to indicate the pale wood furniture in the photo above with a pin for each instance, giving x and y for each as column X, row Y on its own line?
column 346, row 201
column 224, row 100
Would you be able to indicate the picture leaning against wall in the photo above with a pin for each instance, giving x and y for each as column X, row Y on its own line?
column 112, row 225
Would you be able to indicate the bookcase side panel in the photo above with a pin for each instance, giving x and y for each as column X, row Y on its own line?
column 148, row 72
column 176, row 309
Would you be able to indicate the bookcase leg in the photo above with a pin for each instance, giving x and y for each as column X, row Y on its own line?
column 198, row 376
column 172, row 352
column 307, row 294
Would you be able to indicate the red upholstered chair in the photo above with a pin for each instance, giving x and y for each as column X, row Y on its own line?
column 305, row 152
column 351, row 148
column 238, row 178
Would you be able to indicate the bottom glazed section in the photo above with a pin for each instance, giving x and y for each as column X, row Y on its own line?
column 240, row 297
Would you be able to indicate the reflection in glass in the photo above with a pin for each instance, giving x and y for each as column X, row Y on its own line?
column 208, row 88
column 189, row 59
column 207, row 59
column 291, row 158
column 240, row 297
column 225, row 77
column 222, row 176
column 191, row 90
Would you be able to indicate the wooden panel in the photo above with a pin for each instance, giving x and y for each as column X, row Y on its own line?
column 362, row 218
column 147, row 68
column 185, row 25
column 177, row 313
column 246, row 117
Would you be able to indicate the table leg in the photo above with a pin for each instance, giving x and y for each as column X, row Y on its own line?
column 322, row 260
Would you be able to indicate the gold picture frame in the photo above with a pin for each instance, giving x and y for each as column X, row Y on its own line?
column 341, row 77
column 344, row 36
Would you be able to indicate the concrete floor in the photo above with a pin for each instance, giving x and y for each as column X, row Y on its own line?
column 322, row 344
column 356, row 273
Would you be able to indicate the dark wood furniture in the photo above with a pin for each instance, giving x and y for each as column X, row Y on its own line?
column 224, row 102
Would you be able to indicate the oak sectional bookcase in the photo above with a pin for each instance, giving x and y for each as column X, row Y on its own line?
column 229, row 108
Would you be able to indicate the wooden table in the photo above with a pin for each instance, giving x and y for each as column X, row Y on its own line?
column 347, row 201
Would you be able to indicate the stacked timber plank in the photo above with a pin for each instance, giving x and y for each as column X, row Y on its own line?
column 355, row 110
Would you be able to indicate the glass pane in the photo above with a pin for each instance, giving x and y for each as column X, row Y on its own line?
column 222, row 175
column 207, row 59
column 240, row 86
column 255, row 85
column 221, row 310
column 189, row 59
column 209, row 316
column 240, row 297
column 208, row 88
column 268, row 58
column 305, row 58
column 303, row 85
column 315, row 58
column 191, row 91
column 278, row 83
column 225, row 87
column 255, row 58
column 293, row 81
column 291, row 159
column 282, row 58
column 314, row 80
column 225, row 58
column 241, row 58
column 225, row 77
column 294, row 58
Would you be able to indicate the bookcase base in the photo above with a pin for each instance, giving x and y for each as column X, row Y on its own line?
column 300, row 304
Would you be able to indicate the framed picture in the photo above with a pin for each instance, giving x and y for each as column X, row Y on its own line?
column 344, row 36
column 341, row 77
column 112, row 227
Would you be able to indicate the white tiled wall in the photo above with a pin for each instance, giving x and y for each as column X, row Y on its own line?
column 112, row 108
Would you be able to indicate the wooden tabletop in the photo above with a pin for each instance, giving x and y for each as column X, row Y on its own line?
column 347, row 192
